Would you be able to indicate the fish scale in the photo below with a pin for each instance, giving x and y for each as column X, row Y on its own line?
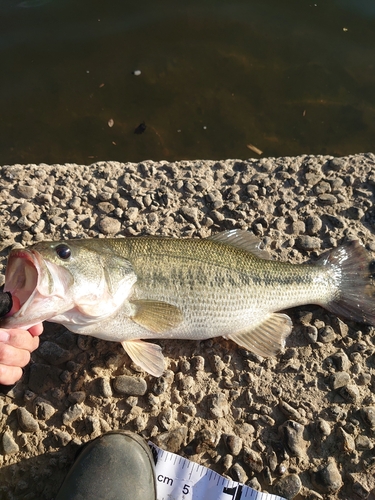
column 142, row 288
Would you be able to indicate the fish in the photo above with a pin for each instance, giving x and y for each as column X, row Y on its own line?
column 136, row 289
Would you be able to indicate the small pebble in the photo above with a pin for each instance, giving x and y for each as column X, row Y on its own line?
column 134, row 386
column 339, row 379
column 234, row 444
column 293, row 435
column 288, row 487
column 308, row 243
column 77, row 397
column 368, row 414
column 328, row 478
column 238, row 473
column 43, row 409
column 253, row 460
column 350, row 393
column 218, row 405
column 72, row 414
column 109, row 226
column 9, row 445
column 62, row 437
column 26, row 421
column 104, row 387
column 172, row 441
column 53, row 353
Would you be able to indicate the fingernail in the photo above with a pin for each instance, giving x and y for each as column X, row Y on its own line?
column 4, row 336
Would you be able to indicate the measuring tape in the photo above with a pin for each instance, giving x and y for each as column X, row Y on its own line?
column 178, row 478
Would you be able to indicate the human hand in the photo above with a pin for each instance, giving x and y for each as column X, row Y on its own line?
column 15, row 348
column 16, row 345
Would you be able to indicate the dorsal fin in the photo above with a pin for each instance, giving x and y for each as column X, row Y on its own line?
column 243, row 240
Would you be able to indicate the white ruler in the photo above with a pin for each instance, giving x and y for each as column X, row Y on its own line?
column 180, row 479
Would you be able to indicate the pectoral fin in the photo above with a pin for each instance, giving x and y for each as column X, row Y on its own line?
column 148, row 356
column 156, row 316
column 267, row 337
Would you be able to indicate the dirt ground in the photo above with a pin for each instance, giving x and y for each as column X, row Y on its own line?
column 301, row 425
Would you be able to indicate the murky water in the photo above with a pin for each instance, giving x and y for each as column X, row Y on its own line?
column 288, row 77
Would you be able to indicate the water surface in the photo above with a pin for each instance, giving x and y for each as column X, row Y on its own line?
column 288, row 77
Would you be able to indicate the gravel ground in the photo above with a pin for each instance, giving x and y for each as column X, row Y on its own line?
column 301, row 425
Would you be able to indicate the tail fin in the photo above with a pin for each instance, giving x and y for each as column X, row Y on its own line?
column 355, row 298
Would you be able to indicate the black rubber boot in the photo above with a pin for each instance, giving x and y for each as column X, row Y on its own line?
column 115, row 466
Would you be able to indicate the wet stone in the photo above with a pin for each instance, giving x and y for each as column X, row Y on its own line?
column 288, row 487
column 133, row 386
column 26, row 421
column 53, row 353
column 9, row 444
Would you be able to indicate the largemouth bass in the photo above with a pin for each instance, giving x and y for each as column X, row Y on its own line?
column 140, row 288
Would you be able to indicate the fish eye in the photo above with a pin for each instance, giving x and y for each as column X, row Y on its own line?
column 63, row 251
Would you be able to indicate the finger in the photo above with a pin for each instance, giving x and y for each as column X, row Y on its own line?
column 21, row 339
column 36, row 330
column 13, row 356
column 10, row 374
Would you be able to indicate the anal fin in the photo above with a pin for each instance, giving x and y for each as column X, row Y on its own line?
column 148, row 356
column 266, row 338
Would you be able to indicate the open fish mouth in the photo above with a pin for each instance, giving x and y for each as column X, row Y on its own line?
column 22, row 276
